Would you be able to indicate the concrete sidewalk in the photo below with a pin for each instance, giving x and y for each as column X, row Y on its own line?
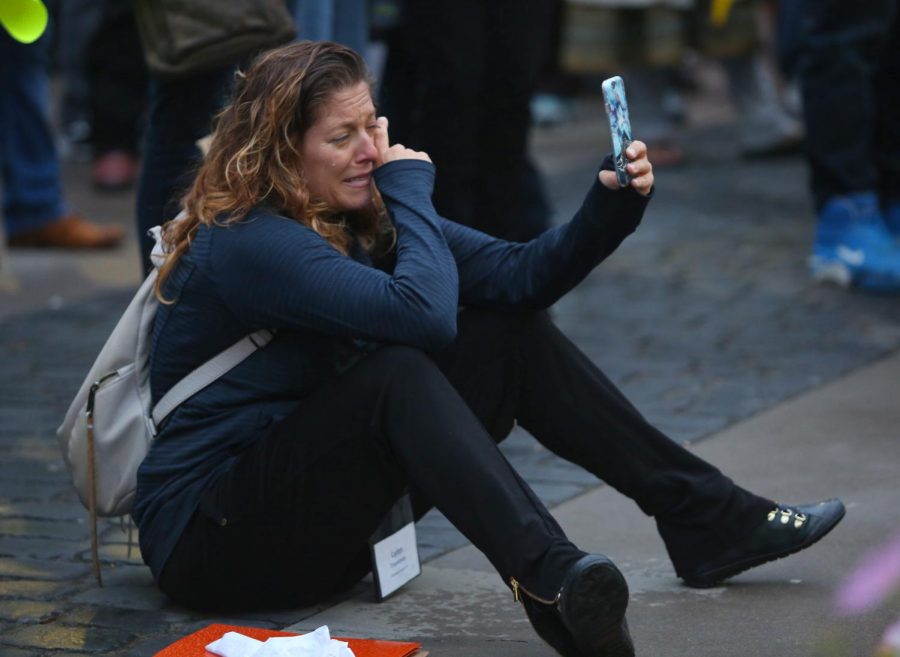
column 839, row 440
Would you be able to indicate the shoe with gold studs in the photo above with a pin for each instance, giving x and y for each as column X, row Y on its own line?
column 787, row 529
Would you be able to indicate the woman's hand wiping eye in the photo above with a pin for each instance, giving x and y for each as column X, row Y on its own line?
column 388, row 153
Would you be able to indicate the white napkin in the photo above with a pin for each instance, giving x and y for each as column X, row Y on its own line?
column 315, row 644
column 234, row 644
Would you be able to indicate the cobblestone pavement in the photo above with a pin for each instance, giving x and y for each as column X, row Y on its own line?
column 704, row 317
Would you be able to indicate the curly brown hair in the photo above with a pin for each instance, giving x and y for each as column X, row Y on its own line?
column 254, row 154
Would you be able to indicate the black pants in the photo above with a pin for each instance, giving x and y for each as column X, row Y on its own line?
column 118, row 80
column 289, row 524
column 179, row 112
column 849, row 71
column 458, row 80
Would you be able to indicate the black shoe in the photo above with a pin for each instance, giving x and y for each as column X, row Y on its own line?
column 545, row 620
column 787, row 529
column 587, row 617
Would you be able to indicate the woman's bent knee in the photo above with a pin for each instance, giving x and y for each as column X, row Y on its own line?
column 401, row 357
column 488, row 322
column 401, row 363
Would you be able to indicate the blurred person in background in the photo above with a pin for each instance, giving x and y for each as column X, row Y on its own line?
column 117, row 80
column 181, row 107
column 179, row 113
column 78, row 21
column 551, row 103
column 458, row 84
column 341, row 21
column 847, row 59
column 651, row 40
column 35, row 213
column 104, row 82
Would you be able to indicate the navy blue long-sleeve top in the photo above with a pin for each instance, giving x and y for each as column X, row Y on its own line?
column 269, row 271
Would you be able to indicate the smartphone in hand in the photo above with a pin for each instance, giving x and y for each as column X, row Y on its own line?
column 619, row 124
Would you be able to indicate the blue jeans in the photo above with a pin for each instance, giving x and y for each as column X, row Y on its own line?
column 343, row 21
column 849, row 65
column 32, row 190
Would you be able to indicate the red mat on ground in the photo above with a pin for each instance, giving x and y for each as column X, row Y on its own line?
column 194, row 645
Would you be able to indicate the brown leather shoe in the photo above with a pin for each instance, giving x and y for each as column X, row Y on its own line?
column 70, row 232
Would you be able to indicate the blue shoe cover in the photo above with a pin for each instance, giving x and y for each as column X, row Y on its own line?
column 853, row 245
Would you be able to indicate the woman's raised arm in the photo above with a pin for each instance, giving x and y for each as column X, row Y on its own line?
column 276, row 272
column 498, row 274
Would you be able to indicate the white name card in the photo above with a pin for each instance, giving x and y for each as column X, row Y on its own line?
column 396, row 560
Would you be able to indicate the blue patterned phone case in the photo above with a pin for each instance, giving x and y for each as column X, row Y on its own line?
column 619, row 124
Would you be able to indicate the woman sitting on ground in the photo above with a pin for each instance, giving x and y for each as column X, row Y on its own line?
column 406, row 346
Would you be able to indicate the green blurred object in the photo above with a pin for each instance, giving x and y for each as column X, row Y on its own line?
column 25, row 20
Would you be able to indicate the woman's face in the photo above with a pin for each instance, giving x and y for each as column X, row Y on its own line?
column 339, row 152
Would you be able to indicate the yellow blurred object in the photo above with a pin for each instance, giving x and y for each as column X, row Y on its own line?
column 25, row 20
column 718, row 12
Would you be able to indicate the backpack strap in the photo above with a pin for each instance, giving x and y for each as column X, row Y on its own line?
column 207, row 373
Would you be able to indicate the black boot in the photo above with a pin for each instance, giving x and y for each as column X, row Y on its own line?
column 587, row 616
